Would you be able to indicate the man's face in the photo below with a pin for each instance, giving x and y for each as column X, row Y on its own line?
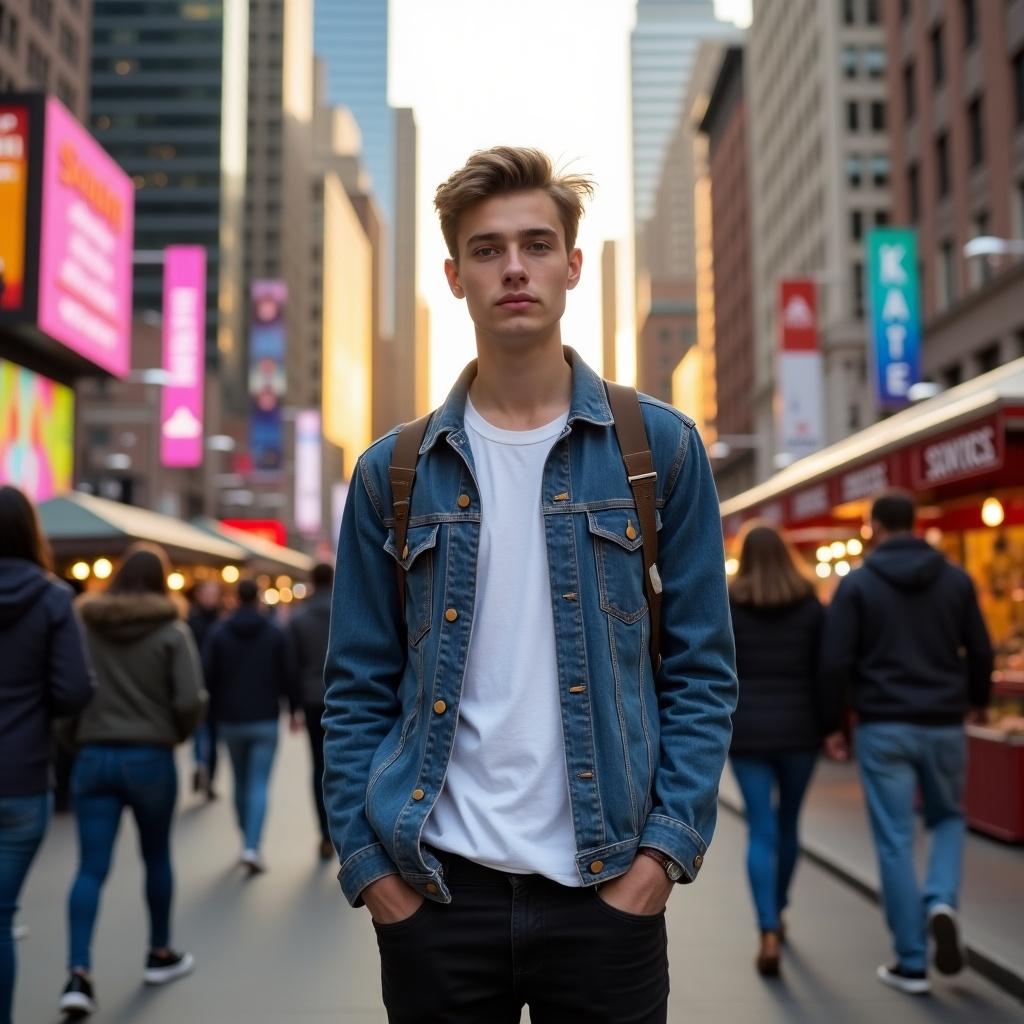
column 513, row 269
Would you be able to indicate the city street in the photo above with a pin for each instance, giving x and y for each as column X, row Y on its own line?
column 284, row 947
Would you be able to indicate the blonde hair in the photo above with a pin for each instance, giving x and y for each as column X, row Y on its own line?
column 505, row 169
column 770, row 572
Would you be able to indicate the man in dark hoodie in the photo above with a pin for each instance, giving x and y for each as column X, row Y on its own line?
column 906, row 640
column 248, row 673
column 203, row 616
column 308, row 632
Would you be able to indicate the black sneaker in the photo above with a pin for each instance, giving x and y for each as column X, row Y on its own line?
column 945, row 929
column 914, row 983
column 164, row 967
column 78, row 999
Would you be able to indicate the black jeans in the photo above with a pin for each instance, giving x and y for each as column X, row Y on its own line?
column 506, row 941
column 313, row 713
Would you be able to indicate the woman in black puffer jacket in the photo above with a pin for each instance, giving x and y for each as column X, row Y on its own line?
column 781, row 718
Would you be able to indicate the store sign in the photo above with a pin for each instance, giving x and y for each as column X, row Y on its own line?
column 968, row 453
column 801, row 409
column 85, row 254
column 36, row 432
column 267, row 529
column 14, row 168
column 308, row 483
column 266, row 376
column 894, row 321
column 810, row 503
column 864, row 482
column 184, row 340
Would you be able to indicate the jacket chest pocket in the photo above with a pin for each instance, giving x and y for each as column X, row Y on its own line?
column 619, row 558
column 417, row 559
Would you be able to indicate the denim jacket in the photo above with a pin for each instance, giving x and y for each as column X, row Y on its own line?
column 643, row 751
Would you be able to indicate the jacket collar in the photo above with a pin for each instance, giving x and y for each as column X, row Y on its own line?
column 589, row 401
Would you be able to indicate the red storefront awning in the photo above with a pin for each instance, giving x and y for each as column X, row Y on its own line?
column 968, row 439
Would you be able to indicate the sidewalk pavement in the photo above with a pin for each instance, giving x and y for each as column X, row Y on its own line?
column 284, row 948
column 835, row 833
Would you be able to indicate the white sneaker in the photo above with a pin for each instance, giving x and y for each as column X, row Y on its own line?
column 170, row 967
column 253, row 861
column 78, row 997
column 945, row 930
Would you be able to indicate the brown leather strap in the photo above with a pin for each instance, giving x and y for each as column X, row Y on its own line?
column 402, row 473
column 636, row 454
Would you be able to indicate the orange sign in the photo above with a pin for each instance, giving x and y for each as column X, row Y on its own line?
column 13, row 203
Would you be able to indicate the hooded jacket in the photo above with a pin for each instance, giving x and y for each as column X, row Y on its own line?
column 309, row 630
column 149, row 684
column 45, row 672
column 905, row 637
column 248, row 669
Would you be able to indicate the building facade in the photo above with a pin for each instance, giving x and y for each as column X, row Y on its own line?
column 956, row 75
column 45, row 45
column 406, row 353
column 819, row 176
column 609, row 309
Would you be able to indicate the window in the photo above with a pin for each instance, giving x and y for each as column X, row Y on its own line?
column 874, row 61
column 856, row 225
column 953, row 375
column 850, row 61
column 880, row 170
column 946, row 276
column 976, row 132
column 877, row 116
column 858, row 289
column 988, row 358
column 852, row 116
column 68, row 43
column 66, row 94
column 904, row 8
column 849, row 12
column 1018, row 85
column 854, row 171
column 9, row 31
column 938, row 63
column 979, row 269
column 881, row 218
column 909, row 95
column 942, row 165
column 1018, row 213
column 914, row 192
column 970, row 13
column 872, row 12
column 38, row 66
column 42, row 11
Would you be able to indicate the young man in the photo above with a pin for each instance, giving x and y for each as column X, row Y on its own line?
column 500, row 750
column 904, row 633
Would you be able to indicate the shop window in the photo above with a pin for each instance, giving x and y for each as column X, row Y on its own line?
column 852, row 116
column 909, row 95
column 938, row 58
column 989, row 357
column 976, row 132
column 942, row 165
column 877, row 116
column 969, row 9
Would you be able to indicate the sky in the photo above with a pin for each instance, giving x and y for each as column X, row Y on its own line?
column 547, row 73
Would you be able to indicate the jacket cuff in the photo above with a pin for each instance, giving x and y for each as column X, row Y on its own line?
column 362, row 868
column 676, row 840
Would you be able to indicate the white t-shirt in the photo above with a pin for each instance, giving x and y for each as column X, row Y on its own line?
column 505, row 801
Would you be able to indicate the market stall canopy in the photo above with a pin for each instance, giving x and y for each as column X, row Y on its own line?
column 260, row 553
column 80, row 525
column 966, row 435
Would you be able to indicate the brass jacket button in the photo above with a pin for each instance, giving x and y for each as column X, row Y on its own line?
column 463, row 501
column 630, row 531
column 440, row 707
column 698, row 860
column 418, row 794
column 451, row 615
column 597, row 867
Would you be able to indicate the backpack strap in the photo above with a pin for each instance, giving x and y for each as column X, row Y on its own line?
column 402, row 473
column 636, row 454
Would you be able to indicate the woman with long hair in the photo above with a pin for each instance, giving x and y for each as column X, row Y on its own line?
column 149, row 698
column 45, row 675
column 780, row 719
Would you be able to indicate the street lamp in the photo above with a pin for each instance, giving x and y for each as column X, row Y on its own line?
column 990, row 245
column 923, row 390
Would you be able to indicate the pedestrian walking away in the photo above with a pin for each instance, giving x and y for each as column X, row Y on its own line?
column 148, row 699
column 249, row 674
column 308, row 633
column 201, row 619
column 45, row 675
column 906, row 638
column 782, row 714
column 527, row 711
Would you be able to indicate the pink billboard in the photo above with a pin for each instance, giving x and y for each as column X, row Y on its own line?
column 184, row 342
column 85, row 254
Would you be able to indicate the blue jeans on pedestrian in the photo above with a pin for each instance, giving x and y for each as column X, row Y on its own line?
column 773, row 787
column 104, row 781
column 896, row 761
column 251, row 746
column 204, row 747
column 23, row 822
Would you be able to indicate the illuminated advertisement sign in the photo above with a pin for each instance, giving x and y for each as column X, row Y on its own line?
column 184, row 336
column 894, row 321
column 36, row 431
column 266, row 376
column 268, row 529
column 308, row 496
column 14, row 142
column 85, row 250
column 801, row 408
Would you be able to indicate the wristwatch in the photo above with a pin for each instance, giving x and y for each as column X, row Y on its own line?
column 671, row 868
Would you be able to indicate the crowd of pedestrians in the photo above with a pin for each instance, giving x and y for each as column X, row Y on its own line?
column 124, row 676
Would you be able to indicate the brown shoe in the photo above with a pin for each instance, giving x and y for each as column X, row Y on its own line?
column 768, row 955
